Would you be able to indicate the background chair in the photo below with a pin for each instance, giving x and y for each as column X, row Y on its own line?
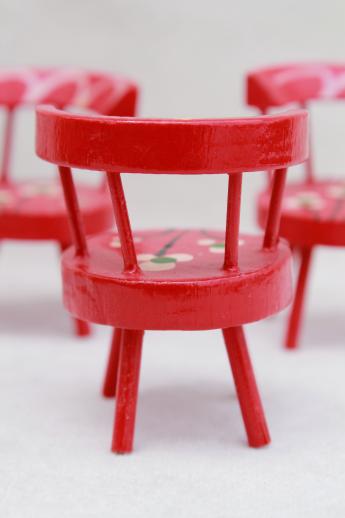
column 176, row 279
column 313, row 211
column 36, row 210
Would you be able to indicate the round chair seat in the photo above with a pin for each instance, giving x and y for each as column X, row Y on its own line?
column 180, row 285
column 36, row 210
column 312, row 213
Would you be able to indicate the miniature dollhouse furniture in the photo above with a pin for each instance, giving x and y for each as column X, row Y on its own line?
column 175, row 279
column 36, row 210
column 313, row 211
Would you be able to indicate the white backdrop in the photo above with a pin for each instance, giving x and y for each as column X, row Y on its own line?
column 190, row 57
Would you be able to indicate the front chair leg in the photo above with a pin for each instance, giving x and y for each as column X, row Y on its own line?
column 110, row 378
column 247, row 391
column 127, row 390
column 81, row 327
column 294, row 325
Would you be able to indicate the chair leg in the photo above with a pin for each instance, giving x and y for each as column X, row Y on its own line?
column 127, row 391
column 110, row 378
column 81, row 327
column 294, row 324
column 247, row 391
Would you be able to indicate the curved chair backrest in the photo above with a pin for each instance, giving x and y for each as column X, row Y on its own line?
column 296, row 83
column 103, row 93
column 131, row 145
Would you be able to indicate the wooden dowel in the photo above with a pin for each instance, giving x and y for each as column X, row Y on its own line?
column 7, row 146
column 309, row 163
column 122, row 222
column 269, row 172
column 74, row 213
column 232, row 221
column 274, row 212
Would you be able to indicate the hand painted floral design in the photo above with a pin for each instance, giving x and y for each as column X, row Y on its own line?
column 155, row 263
column 215, row 247
column 116, row 243
column 31, row 190
column 331, row 79
column 304, row 200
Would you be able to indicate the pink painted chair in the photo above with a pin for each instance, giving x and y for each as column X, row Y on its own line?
column 313, row 211
column 34, row 209
column 174, row 279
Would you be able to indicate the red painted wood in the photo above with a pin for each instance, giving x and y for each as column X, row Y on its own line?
column 100, row 92
column 294, row 324
column 295, row 83
column 127, row 390
column 178, row 278
column 247, row 391
column 36, row 211
column 71, row 200
column 161, row 293
column 81, row 327
column 313, row 211
column 7, row 146
column 163, row 146
column 232, row 222
column 122, row 222
column 274, row 209
column 110, row 379
column 312, row 214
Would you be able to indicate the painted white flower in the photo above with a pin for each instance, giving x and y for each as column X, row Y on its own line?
column 31, row 190
column 155, row 263
column 336, row 191
column 305, row 200
column 6, row 198
column 116, row 243
column 216, row 247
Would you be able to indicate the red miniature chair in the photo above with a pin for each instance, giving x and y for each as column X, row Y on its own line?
column 36, row 210
column 175, row 279
column 313, row 211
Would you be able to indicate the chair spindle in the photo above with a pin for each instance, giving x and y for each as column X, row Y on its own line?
column 232, row 221
column 122, row 222
column 274, row 212
column 7, row 146
column 75, row 216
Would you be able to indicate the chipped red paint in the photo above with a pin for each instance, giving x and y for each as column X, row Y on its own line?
column 179, row 278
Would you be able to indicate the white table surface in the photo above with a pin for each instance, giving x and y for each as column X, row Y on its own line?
column 190, row 458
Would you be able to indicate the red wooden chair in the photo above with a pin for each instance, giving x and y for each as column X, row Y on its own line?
column 174, row 279
column 36, row 210
column 313, row 211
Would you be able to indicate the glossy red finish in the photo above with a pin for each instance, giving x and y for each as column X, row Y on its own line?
column 164, row 146
column 175, row 278
column 312, row 214
column 110, row 379
column 295, row 83
column 259, row 286
column 36, row 210
column 313, row 211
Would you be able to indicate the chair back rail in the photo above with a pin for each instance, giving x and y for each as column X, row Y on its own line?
column 296, row 83
column 103, row 93
column 112, row 144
